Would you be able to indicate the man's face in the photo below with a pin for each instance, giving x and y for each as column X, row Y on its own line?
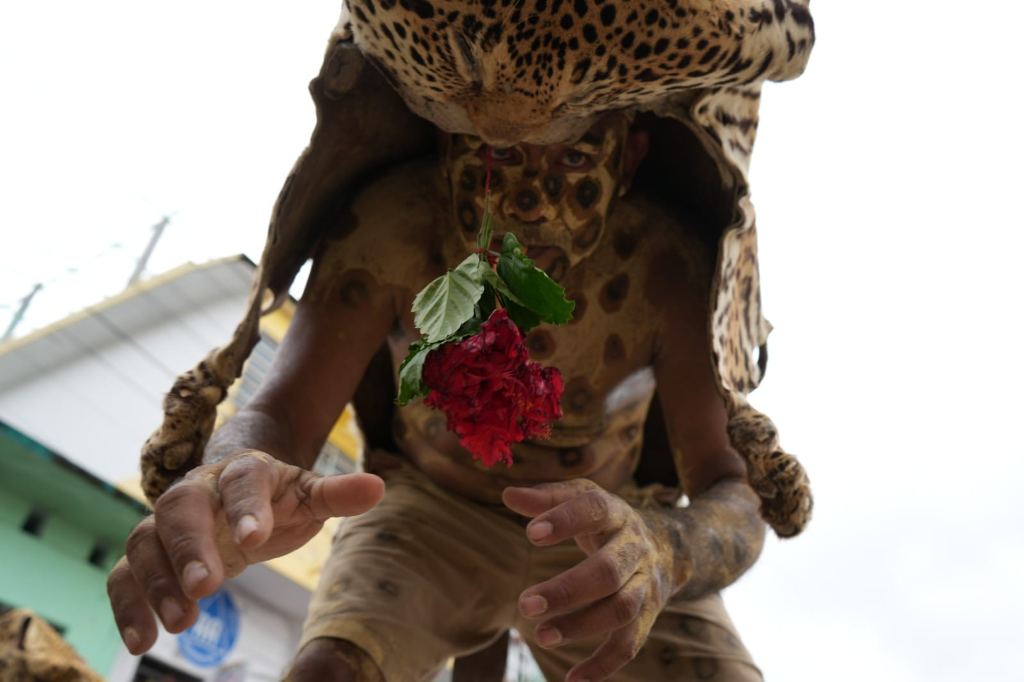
column 555, row 198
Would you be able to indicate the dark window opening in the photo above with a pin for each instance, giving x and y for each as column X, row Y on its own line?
column 99, row 555
column 152, row 670
column 35, row 522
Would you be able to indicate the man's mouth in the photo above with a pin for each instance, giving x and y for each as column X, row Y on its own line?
column 532, row 250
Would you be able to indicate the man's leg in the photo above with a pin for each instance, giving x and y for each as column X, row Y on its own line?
column 333, row 660
column 421, row 577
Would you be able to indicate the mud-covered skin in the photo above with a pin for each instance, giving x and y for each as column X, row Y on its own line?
column 626, row 290
column 351, row 96
column 605, row 354
column 639, row 555
column 333, row 660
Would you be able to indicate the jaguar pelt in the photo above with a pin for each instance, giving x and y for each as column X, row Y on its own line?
column 537, row 71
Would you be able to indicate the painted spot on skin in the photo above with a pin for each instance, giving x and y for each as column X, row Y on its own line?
column 553, row 186
column 587, row 193
column 578, row 395
column 580, row 309
column 629, row 434
column 434, row 427
column 388, row 587
column 624, row 244
column 667, row 656
column 570, row 457
column 467, row 180
column 527, row 200
column 353, row 289
column 693, row 627
column 614, row 350
column 467, row 216
column 586, row 237
column 540, row 344
column 614, row 293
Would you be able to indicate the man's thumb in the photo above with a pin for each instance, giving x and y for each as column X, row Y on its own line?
column 345, row 495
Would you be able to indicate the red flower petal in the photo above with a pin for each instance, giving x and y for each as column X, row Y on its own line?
column 491, row 392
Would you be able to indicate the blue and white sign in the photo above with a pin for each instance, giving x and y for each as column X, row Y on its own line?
column 214, row 634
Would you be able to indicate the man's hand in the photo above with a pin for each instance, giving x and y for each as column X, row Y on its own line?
column 208, row 527
column 618, row 590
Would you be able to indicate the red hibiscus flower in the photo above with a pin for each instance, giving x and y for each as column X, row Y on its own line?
column 491, row 392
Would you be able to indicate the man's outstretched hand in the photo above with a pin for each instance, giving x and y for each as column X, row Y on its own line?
column 208, row 527
column 617, row 591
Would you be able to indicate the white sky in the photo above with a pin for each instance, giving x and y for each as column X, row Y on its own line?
column 886, row 182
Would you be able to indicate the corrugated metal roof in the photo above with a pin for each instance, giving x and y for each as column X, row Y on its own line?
column 124, row 315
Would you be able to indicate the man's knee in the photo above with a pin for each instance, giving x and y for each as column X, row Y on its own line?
column 333, row 660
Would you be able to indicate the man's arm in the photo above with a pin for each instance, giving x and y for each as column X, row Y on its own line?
column 333, row 335
column 720, row 534
column 248, row 502
column 638, row 558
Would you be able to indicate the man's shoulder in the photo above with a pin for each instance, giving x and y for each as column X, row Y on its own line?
column 392, row 225
column 672, row 243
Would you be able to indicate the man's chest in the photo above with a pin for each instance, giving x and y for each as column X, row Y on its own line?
column 612, row 336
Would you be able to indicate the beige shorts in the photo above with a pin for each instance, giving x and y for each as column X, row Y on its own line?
column 427, row 575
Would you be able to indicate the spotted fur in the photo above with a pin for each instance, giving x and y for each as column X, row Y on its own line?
column 537, row 71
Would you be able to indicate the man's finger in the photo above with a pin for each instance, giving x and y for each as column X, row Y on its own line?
column 596, row 577
column 538, row 499
column 588, row 513
column 620, row 648
column 344, row 495
column 155, row 576
column 604, row 616
column 134, row 620
column 246, row 488
column 185, row 522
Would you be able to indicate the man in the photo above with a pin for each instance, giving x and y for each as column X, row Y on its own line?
column 443, row 565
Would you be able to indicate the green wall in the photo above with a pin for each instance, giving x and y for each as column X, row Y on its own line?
column 50, row 572
column 69, row 592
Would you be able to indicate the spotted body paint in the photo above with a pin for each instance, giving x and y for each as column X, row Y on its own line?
column 605, row 355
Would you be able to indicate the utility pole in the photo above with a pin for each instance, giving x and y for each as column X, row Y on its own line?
column 16, row 320
column 158, row 231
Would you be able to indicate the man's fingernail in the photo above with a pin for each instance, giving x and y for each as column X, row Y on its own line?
column 548, row 636
column 131, row 638
column 534, row 606
column 247, row 525
column 539, row 530
column 195, row 573
column 170, row 613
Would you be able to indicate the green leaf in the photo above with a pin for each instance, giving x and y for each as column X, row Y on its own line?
column 447, row 303
column 483, row 237
column 524, row 318
column 492, row 278
column 531, row 286
column 410, row 373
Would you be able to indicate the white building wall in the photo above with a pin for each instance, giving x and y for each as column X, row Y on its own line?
column 98, row 408
column 267, row 641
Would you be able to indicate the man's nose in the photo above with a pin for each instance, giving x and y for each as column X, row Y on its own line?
column 526, row 204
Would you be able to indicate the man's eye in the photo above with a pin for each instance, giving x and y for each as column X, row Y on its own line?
column 504, row 154
column 574, row 159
